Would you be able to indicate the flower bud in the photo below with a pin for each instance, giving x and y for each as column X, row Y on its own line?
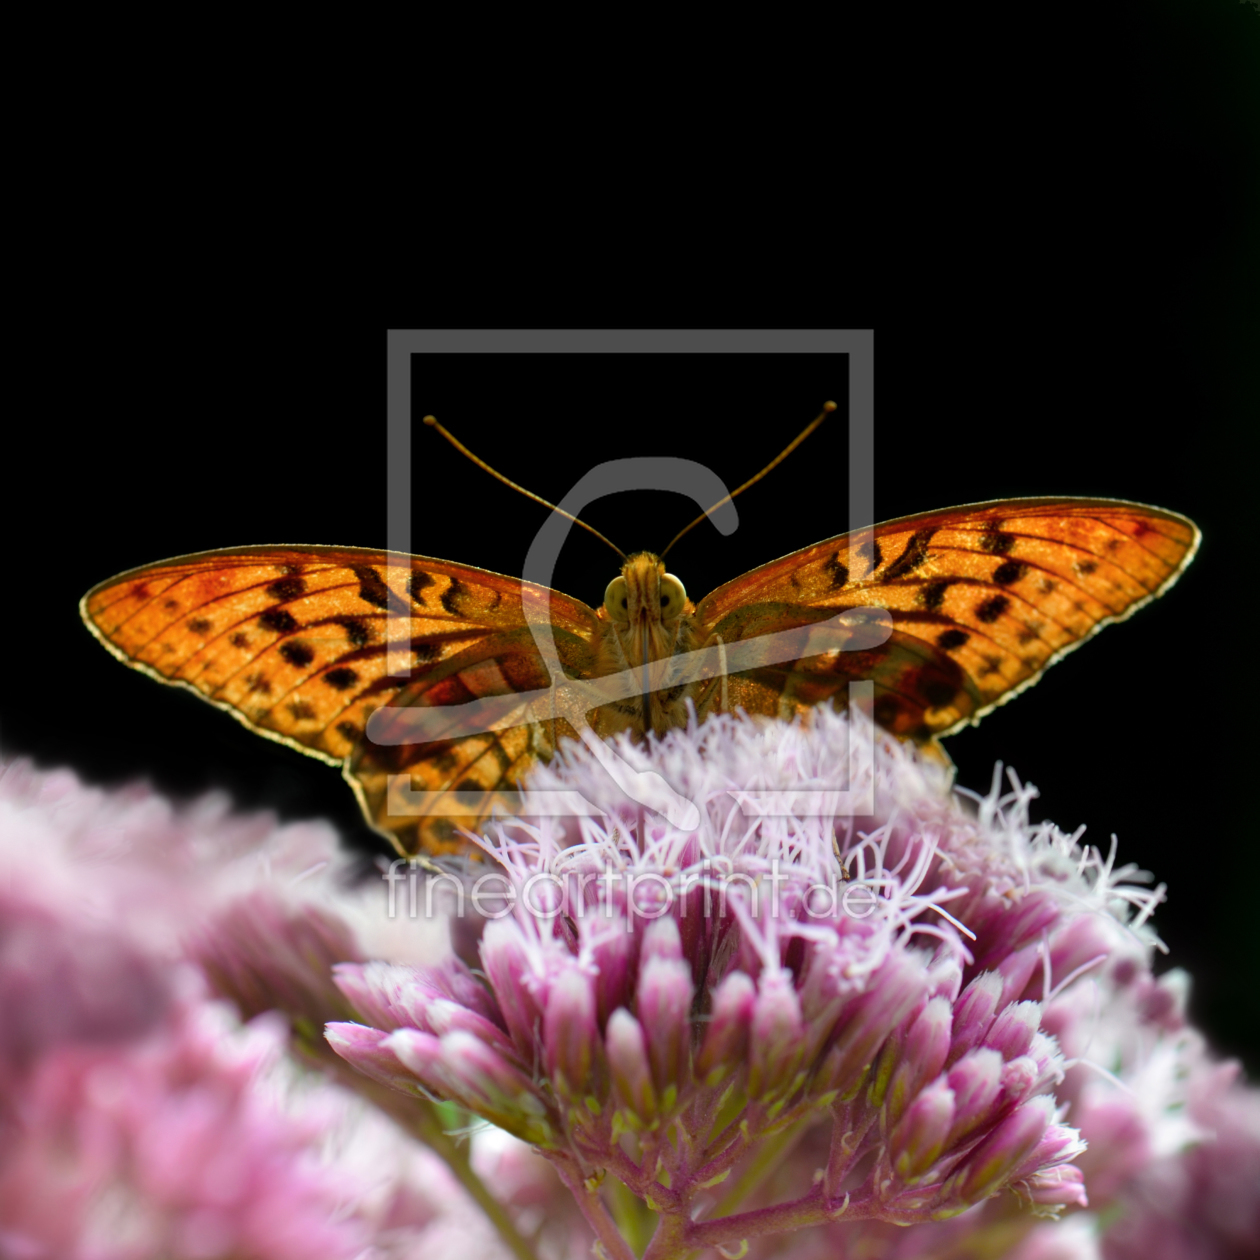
column 1020, row 971
column 1077, row 943
column 1058, row 1144
column 945, row 978
column 628, row 1063
column 664, row 1009
column 927, row 1044
column 661, row 939
column 507, row 965
column 777, row 1035
column 477, row 1077
column 380, row 993
column 976, row 1080
column 571, row 1035
column 1003, row 1151
column 1020, row 1079
column 443, row 1016
column 1015, row 925
column 973, row 1013
column 918, row 1140
column 365, row 1049
column 264, row 953
column 421, row 1054
column 1060, row 1186
column 890, row 996
column 452, row 978
column 1012, row 1032
column 726, row 1037
column 610, row 955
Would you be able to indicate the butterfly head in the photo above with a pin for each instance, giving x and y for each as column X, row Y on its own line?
column 646, row 601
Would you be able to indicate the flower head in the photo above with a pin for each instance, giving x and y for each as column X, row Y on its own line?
column 661, row 1004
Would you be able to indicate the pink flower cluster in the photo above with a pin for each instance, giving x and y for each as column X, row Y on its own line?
column 140, row 1120
column 682, row 1038
column 928, row 1030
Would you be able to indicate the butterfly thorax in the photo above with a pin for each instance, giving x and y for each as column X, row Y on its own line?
column 645, row 617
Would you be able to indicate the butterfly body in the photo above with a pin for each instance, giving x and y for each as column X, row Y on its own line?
column 645, row 617
column 310, row 645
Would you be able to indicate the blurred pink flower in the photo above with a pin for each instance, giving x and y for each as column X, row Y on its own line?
column 139, row 1120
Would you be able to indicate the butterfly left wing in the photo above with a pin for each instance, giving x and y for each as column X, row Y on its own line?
column 297, row 643
column 983, row 600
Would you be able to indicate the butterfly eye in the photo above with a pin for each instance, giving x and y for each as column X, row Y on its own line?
column 673, row 596
column 617, row 599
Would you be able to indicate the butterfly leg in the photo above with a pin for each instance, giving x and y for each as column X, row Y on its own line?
column 705, row 695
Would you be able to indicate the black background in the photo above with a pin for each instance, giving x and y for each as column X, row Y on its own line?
column 1087, row 328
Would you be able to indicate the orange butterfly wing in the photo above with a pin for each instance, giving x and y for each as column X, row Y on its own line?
column 983, row 599
column 297, row 643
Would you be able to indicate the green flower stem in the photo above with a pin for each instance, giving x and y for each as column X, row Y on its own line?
column 770, row 1155
column 670, row 1240
column 425, row 1125
column 420, row 1118
column 597, row 1217
column 634, row 1218
column 812, row 1209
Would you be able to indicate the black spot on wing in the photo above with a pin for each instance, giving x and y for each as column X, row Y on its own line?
column 357, row 631
column 949, row 639
column 200, row 625
column 870, row 555
column 425, row 651
column 256, row 682
column 887, row 709
column 1085, row 567
column 373, row 590
column 287, row 588
column 932, row 596
column 298, row 653
column 992, row 609
column 839, row 574
column 914, row 555
column 348, row 730
column 301, row 710
column 170, row 604
column 938, row 693
column 342, row 678
column 994, row 541
column 452, row 595
column 239, row 640
column 278, row 620
column 1009, row 571
column 416, row 583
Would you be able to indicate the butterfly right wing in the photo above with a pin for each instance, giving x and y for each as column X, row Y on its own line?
column 983, row 599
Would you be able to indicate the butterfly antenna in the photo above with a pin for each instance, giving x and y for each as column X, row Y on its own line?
column 828, row 407
column 481, row 463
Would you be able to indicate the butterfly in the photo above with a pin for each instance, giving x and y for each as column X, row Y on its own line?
column 303, row 644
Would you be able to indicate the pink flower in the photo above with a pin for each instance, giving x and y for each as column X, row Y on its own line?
column 661, row 1005
column 138, row 1119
